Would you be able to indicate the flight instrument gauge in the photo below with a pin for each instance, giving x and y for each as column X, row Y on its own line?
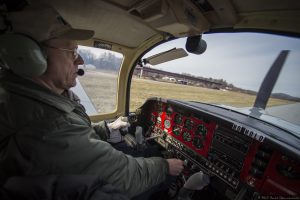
column 197, row 142
column 167, row 123
column 186, row 136
column 188, row 123
column 176, row 130
column 178, row 119
column 201, row 130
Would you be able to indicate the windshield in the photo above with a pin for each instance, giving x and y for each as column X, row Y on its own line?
column 228, row 73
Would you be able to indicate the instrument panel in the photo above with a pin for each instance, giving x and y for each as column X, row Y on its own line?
column 190, row 130
column 238, row 154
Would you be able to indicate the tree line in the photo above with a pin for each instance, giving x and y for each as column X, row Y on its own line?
column 104, row 61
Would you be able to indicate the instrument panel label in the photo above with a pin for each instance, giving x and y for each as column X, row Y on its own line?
column 255, row 134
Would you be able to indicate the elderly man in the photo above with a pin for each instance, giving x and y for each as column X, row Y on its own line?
column 41, row 131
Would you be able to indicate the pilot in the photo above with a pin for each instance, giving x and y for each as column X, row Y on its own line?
column 42, row 131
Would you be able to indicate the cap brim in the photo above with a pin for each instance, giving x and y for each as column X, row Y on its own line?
column 77, row 34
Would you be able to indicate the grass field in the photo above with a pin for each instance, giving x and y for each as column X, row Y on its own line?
column 101, row 89
column 143, row 89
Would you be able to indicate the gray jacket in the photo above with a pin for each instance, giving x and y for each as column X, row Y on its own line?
column 44, row 133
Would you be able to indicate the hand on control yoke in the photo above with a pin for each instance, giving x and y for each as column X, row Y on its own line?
column 114, row 128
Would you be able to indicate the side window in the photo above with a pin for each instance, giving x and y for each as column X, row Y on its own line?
column 97, row 88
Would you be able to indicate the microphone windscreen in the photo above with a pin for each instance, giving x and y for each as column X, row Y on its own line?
column 80, row 72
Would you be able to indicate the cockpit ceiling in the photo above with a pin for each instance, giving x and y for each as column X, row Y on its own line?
column 110, row 23
column 131, row 22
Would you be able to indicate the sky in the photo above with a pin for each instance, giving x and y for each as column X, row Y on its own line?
column 242, row 59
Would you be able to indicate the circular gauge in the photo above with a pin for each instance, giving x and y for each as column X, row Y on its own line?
column 197, row 142
column 176, row 130
column 167, row 123
column 186, row 136
column 178, row 119
column 201, row 129
column 188, row 124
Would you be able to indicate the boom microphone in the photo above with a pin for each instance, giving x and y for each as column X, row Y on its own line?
column 80, row 72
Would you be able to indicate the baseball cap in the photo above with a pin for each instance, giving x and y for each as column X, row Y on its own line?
column 42, row 22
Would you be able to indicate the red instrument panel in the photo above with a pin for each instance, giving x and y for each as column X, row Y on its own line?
column 280, row 175
column 190, row 131
column 216, row 145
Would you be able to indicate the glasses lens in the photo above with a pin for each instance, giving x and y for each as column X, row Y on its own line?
column 75, row 51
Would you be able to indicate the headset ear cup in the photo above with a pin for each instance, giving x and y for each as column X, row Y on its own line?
column 44, row 52
column 22, row 55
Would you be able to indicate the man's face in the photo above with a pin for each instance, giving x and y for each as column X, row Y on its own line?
column 62, row 65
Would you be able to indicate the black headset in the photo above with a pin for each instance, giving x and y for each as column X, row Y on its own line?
column 19, row 52
column 22, row 55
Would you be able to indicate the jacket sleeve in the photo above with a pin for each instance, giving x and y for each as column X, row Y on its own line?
column 101, row 130
column 67, row 146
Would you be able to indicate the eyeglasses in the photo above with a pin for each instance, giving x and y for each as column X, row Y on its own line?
column 74, row 51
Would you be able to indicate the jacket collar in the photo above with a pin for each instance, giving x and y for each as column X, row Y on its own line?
column 28, row 88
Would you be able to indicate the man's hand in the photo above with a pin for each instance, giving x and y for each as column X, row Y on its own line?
column 114, row 129
column 121, row 122
column 175, row 166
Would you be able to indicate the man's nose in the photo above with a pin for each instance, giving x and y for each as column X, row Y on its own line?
column 79, row 60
